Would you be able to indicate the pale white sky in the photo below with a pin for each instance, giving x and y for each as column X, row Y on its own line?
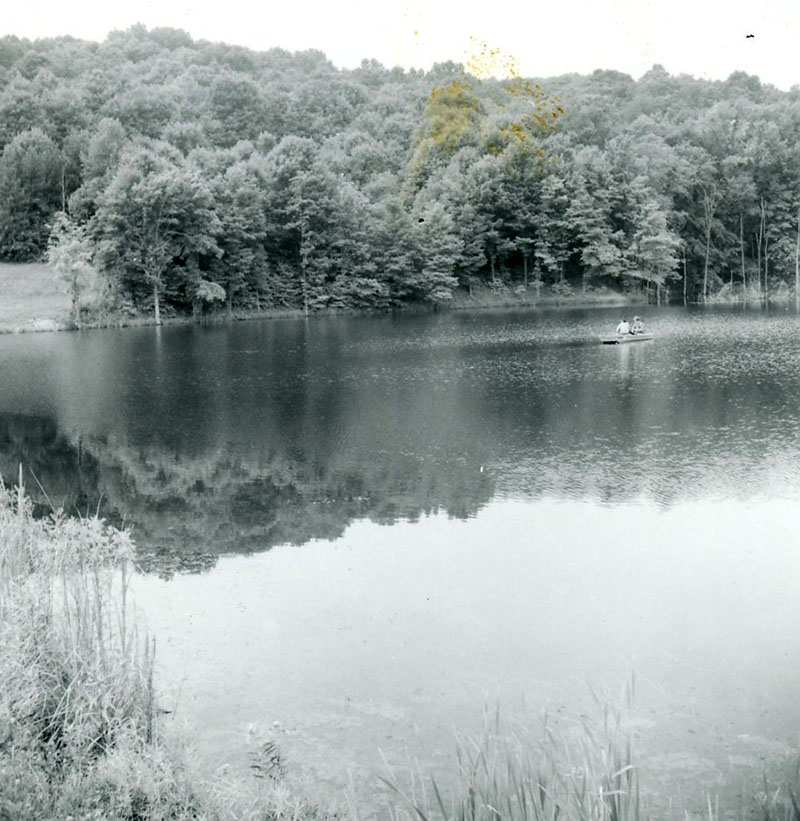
column 701, row 37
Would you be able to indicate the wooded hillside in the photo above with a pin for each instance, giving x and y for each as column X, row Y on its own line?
column 159, row 172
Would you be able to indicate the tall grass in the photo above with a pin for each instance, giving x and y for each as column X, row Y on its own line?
column 775, row 797
column 587, row 774
column 77, row 705
column 79, row 736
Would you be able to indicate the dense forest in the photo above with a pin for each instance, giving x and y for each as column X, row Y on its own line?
column 163, row 174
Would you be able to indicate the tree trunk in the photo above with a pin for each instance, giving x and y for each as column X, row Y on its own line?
column 685, row 282
column 525, row 269
column 156, row 304
column 762, row 225
column 741, row 249
column 491, row 264
column 709, row 206
column 230, row 305
column 797, row 264
column 758, row 258
column 766, row 267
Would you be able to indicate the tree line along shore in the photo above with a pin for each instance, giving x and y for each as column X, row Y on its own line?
column 35, row 299
column 164, row 176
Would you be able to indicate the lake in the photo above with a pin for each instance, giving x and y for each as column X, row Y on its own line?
column 356, row 533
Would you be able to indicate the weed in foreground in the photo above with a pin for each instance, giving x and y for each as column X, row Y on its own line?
column 585, row 775
column 78, row 735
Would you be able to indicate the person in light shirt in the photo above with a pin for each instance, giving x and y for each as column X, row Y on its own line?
column 623, row 327
column 638, row 325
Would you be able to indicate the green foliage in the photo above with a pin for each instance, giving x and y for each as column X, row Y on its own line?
column 209, row 291
column 70, row 253
column 30, row 194
column 452, row 111
column 656, row 246
column 154, row 224
column 271, row 174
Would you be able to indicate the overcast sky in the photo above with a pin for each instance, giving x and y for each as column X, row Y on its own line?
column 705, row 38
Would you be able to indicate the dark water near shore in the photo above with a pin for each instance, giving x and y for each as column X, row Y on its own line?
column 364, row 529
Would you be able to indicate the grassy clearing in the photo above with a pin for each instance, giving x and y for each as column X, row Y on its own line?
column 33, row 297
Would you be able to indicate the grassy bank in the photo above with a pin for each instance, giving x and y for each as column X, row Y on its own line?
column 80, row 729
column 33, row 298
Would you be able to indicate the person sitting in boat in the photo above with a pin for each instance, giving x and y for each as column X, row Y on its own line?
column 623, row 327
column 638, row 325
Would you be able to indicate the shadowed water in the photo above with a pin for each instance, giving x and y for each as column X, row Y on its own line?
column 446, row 509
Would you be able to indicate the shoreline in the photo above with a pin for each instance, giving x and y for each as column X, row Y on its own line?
column 37, row 304
column 461, row 302
column 466, row 303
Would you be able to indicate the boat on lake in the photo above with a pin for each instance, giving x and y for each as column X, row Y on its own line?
column 619, row 339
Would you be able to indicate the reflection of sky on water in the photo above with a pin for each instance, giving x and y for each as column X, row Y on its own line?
column 393, row 636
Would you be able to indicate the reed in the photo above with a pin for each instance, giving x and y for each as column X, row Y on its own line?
column 586, row 774
column 77, row 706
column 79, row 736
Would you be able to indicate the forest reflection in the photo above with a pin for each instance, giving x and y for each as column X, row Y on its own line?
column 214, row 440
column 185, row 509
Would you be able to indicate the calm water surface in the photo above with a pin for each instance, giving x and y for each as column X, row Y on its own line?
column 367, row 529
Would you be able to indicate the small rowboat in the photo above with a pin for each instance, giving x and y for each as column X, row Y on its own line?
column 619, row 339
